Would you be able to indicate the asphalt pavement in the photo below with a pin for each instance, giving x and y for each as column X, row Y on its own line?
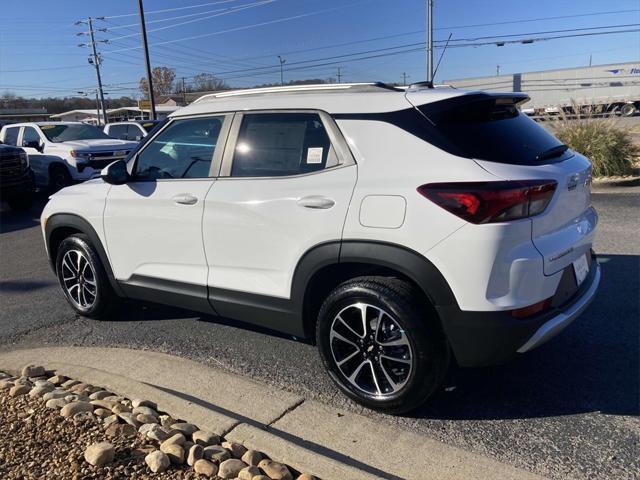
column 570, row 409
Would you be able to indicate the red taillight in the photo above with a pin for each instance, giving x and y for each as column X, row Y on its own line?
column 490, row 202
column 531, row 309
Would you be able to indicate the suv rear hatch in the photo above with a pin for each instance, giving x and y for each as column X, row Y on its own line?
column 489, row 129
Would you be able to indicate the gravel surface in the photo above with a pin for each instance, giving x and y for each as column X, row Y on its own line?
column 38, row 443
column 568, row 410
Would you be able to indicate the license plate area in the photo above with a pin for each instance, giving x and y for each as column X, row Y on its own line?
column 581, row 268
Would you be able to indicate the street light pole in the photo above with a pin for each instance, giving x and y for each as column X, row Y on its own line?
column 146, row 60
column 96, row 63
column 282, row 60
column 430, row 40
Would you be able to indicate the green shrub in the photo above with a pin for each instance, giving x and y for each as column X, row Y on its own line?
column 609, row 146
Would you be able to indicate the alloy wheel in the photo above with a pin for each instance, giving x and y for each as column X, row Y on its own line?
column 79, row 279
column 371, row 350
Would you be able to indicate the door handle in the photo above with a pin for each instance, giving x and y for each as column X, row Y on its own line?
column 185, row 199
column 316, row 202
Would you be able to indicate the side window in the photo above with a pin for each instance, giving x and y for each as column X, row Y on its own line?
column 30, row 137
column 135, row 132
column 11, row 135
column 183, row 150
column 279, row 144
column 118, row 131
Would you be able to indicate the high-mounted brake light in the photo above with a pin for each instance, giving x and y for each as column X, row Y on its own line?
column 491, row 202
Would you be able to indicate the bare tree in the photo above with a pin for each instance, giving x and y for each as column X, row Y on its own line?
column 206, row 82
column 163, row 78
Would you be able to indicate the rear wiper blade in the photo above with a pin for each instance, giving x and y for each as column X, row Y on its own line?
column 552, row 152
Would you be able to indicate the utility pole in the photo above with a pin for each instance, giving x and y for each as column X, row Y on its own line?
column 404, row 78
column 590, row 58
column 497, row 70
column 339, row 75
column 429, row 40
column 282, row 60
column 184, row 92
column 146, row 60
column 96, row 63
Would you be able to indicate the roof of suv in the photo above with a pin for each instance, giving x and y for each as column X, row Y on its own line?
column 332, row 98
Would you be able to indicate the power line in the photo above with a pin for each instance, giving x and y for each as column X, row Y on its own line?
column 152, row 12
column 226, row 11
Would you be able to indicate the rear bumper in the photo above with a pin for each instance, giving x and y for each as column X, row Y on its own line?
column 488, row 338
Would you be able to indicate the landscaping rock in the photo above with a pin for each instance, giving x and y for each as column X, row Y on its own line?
column 101, row 413
column 129, row 418
column 142, row 418
column 252, row 457
column 157, row 461
column 84, row 417
column 185, row 428
column 158, row 434
column 231, row 468
column 69, row 383
column 40, row 390
column 196, row 452
column 33, row 371
column 166, row 420
column 100, row 395
column 204, row 438
column 110, row 420
column 55, row 394
column 137, row 402
column 178, row 439
column 19, row 390
column 56, row 403
column 174, row 451
column 306, row 476
column 145, row 411
column 120, row 430
column 119, row 408
column 275, row 470
column 70, row 409
column 107, row 405
column 237, row 450
column 206, row 468
column 5, row 384
column 114, row 398
column 248, row 473
column 100, row 454
column 58, row 380
column 216, row 453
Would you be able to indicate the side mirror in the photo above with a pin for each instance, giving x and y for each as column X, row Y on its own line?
column 33, row 144
column 115, row 173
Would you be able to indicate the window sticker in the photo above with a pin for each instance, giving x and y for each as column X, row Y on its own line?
column 47, row 127
column 314, row 155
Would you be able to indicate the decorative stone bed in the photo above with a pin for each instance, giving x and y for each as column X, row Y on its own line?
column 55, row 427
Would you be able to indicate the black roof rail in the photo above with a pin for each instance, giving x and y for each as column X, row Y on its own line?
column 426, row 83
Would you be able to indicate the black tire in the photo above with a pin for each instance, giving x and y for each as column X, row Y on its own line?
column 628, row 110
column 21, row 202
column 419, row 327
column 59, row 178
column 104, row 301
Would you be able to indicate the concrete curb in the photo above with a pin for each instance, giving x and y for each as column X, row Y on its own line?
column 612, row 183
column 307, row 435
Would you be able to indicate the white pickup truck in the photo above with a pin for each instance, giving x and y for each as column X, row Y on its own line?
column 63, row 153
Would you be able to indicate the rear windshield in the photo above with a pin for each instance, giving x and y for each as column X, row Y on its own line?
column 72, row 131
column 492, row 128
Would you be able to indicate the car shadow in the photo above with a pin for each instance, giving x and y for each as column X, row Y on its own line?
column 593, row 366
column 24, row 285
column 12, row 220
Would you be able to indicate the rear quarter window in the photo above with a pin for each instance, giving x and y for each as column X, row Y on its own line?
column 487, row 127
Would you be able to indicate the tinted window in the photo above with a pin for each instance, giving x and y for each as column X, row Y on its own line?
column 11, row 135
column 135, row 132
column 118, row 131
column 30, row 136
column 183, row 150
column 71, row 131
column 491, row 128
column 277, row 144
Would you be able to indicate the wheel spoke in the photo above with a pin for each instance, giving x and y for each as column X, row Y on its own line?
column 396, row 359
column 392, row 382
column 347, row 358
column 65, row 263
column 398, row 342
column 352, row 377
column 341, row 320
column 335, row 334
column 375, row 378
column 363, row 316
column 378, row 323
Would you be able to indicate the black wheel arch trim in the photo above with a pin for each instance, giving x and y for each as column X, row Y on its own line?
column 69, row 220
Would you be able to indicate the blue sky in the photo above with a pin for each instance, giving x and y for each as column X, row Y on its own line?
column 39, row 55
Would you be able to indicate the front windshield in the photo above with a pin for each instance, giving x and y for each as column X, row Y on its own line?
column 66, row 132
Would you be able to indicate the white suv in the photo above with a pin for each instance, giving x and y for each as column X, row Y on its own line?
column 402, row 229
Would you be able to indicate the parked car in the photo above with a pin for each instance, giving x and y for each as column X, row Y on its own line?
column 398, row 229
column 63, row 153
column 133, row 130
column 16, row 178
